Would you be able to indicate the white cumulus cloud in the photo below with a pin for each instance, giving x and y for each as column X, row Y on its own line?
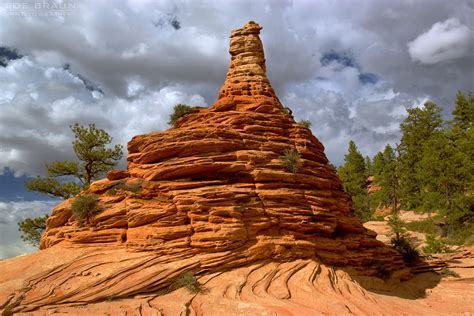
column 444, row 41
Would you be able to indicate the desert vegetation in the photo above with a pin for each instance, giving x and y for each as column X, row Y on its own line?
column 179, row 111
column 66, row 179
column 291, row 160
column 84, row 207
column 430, row 170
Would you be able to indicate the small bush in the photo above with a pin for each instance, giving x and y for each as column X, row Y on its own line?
column 304, row 123
column 447, row 272
column 135, row 188
column 285, row 110
column 401, row 241
column 378, row 218
column 291, row 160
column 434, row 245
column 461, row 235
column 85, row 206
column 405, row 247
column 179, row 111
column 190, row 282
column 112, row 297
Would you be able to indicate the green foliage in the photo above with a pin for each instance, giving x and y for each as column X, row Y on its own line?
column 85, row 206
column 285, row 110
column 94, row 157
column 90, row 148
column 179, row 111
column 369, row 167
column 354, row 179
column 397, row 225
column 304, row 123
column 400, row 240
column 134, row 188
column 446, row 272
column 426, row 226
column 53, row 187
column 32, row 228
column 435, row 245
column 406, row 248
column 190, row 282
column 291, row 160
column 463, row 113
column 462, row 234
column 66, row 179
column 417, row 128
column 387, row 179
column 112, row 297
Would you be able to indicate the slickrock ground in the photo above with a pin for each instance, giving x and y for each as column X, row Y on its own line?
column 300, row 287
column 212, row 196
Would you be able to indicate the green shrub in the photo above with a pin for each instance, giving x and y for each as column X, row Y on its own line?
column 304, row 123
column 112, row 297
column 190, row 282
column 179, row 111
column 426, row 226
column 447, row 272
column 434, row 245
column 285, row 110
column 397, row 226
column 400, row 241
column 85, row 206
column 461, row 235
column 405, row 247
column 378, row 218
column 135, row 188
column 291, row 160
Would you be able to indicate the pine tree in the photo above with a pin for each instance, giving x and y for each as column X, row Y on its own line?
column 457, row 176
column 386, row 176
column 417, row 128
column 463, row 114
column 65, row 179
column 369, row 168
column 354, row 179
column 390, row 178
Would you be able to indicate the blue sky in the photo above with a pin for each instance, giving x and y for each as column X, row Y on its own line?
column 13, row 188
column 350, row 67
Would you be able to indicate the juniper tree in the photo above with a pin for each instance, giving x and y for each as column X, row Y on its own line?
column 65, row 179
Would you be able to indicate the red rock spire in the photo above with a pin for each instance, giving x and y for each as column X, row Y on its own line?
column 246, row 86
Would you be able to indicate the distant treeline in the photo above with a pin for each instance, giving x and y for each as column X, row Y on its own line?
column 431, row 169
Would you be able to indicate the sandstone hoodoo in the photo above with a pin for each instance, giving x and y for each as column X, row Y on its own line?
column 210, row 195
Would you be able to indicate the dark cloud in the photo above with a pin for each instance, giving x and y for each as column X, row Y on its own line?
column 124, row 57
column 7, row 54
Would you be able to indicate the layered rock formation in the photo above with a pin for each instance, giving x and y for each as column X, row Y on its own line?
column 209, row 195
